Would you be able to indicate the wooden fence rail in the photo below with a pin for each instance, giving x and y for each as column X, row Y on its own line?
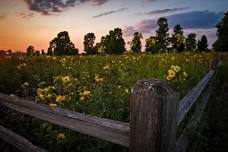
column 155, row 114
column 18, row 141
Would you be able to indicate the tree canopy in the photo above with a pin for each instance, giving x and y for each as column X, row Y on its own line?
column 62, row 45
column 136, row 44
column 191, row 42
column 162, row 34
column 88, row 43
column 221, row 44
column 202, row 44
column 178, row 39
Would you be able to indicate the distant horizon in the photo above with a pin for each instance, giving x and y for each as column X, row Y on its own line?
column 25, row 23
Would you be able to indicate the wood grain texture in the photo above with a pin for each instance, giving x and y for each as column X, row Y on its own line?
column 153, row 117
column 18, row 141
column 186, row 103
column 105, row 129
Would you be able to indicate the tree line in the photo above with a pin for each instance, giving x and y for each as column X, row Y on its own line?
column 113, row 43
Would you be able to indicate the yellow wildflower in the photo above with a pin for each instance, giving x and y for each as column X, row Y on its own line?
column 169, row 77
column 60, row 98
column 86, row 93
column 98, row 78
column 106, row 67
column 185, row 74
column 61, row 136
column 176, row 68
column 65, row 78
column 82, row 98
column 171, row 73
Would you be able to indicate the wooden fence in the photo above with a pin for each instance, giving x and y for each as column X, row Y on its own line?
column 155, row 114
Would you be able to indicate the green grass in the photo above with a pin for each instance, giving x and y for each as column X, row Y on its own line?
column 212, row 135
column 108, row 81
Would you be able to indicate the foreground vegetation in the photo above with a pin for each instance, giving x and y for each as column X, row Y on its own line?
column 96, row 85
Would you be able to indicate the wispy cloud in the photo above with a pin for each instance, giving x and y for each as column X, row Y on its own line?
column 48, row 7
column 25, row 15
column 109, row 12
column 163, row 11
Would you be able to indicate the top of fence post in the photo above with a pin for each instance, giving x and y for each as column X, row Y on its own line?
column 153, row 117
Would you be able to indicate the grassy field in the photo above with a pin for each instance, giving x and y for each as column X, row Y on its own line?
column 96, row 85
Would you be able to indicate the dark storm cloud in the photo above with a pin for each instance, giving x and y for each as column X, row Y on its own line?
column 189, row 20
column 110, row 12
column 47, row 7
column 196, row 19
column 168, row 10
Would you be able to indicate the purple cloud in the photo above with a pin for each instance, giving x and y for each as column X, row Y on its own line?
column 47, row 7
column 110, row 12
column 189, row 20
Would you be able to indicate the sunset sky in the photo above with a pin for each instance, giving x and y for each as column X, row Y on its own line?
column 37, row 22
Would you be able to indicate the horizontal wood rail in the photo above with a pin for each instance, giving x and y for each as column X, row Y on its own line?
column 18, row 141
column 109, row 130
column 186, row 103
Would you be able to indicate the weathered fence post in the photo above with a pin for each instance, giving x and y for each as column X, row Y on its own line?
column 153, row 117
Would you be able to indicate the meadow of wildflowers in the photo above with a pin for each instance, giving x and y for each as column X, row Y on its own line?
column 96, row 85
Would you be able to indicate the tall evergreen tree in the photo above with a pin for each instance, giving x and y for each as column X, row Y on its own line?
column 221, row 44
column 191, row 42
column 178, row 39
column 136, row 44
column 162, row 34
column 202, row 44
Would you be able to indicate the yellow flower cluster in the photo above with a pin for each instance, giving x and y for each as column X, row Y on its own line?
column 21, row 66
column 60, row 98
column 173, row 71
column 84, row 95
column 98, row 78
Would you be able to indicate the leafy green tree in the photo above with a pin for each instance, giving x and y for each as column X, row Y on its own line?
column 202, row 44
column 162, row 34
column 151, row 45
column 178, row 39
column 88, row 43
column 221, row 44
column 42, row 52
column 136, row 44
column 30, row 50
column 101, row 47
column 114, row 42
column 62, row 45
column 191, row 42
